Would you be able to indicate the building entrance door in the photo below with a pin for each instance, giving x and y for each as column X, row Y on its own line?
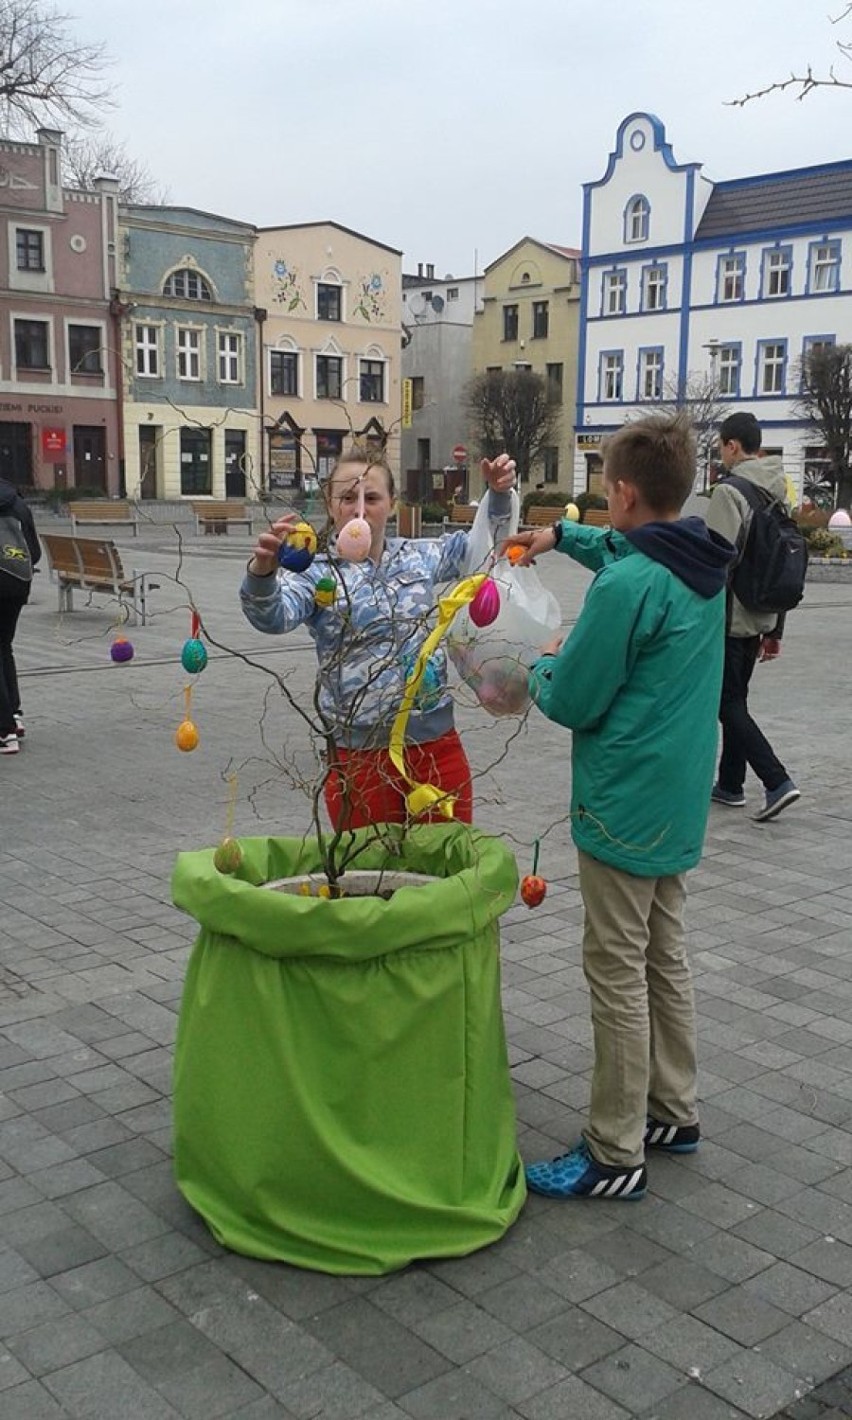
column 16, row 453
column 90, row 457
column 235, row 463
column 149, row 435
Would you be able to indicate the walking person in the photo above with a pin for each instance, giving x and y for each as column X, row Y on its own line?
column 637, row 681
column 751, row 636
column 20, row 550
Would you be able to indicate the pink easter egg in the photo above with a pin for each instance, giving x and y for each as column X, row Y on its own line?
column 353, row 540
column 486, row 604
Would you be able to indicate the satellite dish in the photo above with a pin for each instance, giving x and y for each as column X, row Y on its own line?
column 437, row 304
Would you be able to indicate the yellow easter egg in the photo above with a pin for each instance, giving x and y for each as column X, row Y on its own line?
column 186, row 736
column 572, row 513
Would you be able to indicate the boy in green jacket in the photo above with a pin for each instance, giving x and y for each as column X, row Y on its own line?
column 637, row 681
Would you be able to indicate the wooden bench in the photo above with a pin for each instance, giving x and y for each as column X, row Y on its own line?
column 217, row 516
column 460, row 515
column 107, row 511
column 597, row 518
column 89, row 564
column 538, row 516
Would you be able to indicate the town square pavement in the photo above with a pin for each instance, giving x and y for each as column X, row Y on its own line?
column 726, row 1293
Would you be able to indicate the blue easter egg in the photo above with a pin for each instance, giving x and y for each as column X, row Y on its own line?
column 294, row 559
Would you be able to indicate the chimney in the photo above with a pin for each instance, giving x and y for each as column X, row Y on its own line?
column 420, row 269
column 430, row 273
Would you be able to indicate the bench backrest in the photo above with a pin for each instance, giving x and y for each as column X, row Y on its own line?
column 462, row 513
column 91, row 559
column 597, row 518
column 219, row 510
column 538, row 515
column 61, row 553
column 104, row 511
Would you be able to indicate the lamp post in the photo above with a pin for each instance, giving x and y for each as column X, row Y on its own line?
column 712, row 347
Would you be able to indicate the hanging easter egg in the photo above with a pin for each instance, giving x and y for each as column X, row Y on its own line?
column 228, row 856
column 325, row 592
column 571, row 513
column 298, row 549
column 429, row 689
column 485, row 606
column 533, row 890
column 515, row 553
column 193, row 657
column 121, row 649
column 353, row 540
column 186, row 736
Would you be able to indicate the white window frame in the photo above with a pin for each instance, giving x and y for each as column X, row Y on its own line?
column 186, row 275
column 229, row 357
column 42, row 319
column 827, row 265
column 637, row 219
column 329, row 355
column 777, row 272
column 771, row 369
column 188, row 352
column 730, row 369
column 651, row 361
column 29, row 280
column 731, row 268
column 657, row 286
column 284, row 349
column 148, row 348
column 615, row 292
column 371, row 358
column 612, row 376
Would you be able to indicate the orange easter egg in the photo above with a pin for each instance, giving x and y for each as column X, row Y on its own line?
column 186, row 736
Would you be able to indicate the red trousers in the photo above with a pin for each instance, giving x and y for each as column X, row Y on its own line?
column 364, row 787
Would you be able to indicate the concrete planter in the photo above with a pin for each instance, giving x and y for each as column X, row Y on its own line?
column 830, row 569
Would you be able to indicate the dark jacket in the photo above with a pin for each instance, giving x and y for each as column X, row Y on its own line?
column 12, row 503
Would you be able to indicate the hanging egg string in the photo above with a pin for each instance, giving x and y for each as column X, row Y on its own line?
column 121, row 649
column 229, row 855
column 186, row 734
column 533, row 888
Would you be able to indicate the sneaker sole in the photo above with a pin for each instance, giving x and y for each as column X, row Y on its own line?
column 766, row 814
column 674, row 1148
column 729, row 803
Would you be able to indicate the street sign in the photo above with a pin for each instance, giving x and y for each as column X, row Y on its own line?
column 407, row 402
column 460, row 453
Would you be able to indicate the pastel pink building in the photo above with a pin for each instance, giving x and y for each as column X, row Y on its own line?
column 60, row 361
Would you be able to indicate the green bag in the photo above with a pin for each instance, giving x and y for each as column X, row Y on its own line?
column 342, row 1098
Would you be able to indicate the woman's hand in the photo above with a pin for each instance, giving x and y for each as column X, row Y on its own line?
column 540, row 540
column 500, row 474
column 553, row 647
column 264, row 554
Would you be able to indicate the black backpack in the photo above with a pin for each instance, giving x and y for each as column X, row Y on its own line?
column 769, row 575
column 15, row 558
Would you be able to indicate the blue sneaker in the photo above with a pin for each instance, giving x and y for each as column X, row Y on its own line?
column 718, row 795
column 776, row 800
column 578, row 1175
column 673, row 1138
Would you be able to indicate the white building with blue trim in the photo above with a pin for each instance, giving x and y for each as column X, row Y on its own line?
column 685, row 279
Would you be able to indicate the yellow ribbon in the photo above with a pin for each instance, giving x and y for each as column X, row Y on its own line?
column 422, row 798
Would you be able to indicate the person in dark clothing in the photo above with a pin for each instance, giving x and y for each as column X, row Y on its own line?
column 14, row 593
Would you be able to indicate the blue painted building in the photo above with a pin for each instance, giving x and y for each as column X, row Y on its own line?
column 186, row 291
column 688, row 283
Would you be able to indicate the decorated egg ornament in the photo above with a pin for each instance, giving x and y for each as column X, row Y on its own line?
column 355, row 537
column 325, row 592
column 193, row 657
column 186, row 736
column 533, row 890
column 485, row 606
column 228, row 856
column 298, row 549
column 571, row 513
column 121, row 649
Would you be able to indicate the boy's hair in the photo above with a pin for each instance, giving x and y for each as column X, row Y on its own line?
column 656, row 455
column 363, row 454
column 745, row 429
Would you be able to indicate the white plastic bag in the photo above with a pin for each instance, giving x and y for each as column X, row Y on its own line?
column 494, row 660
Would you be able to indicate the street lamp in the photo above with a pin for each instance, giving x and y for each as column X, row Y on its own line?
column 712, row 347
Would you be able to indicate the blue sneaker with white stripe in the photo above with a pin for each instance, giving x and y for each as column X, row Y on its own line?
column 578, row 1175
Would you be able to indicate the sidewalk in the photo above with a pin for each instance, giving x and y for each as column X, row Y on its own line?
column 726, row 1293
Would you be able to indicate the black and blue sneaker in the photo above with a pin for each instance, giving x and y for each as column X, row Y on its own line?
column 578, row 1175
column 673, row 1138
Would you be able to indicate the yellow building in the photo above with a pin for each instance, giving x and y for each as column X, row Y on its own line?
column 329, row 313
column 530, row 320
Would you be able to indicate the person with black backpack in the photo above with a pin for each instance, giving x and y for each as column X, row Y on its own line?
column 20, row 550
column 748, row 507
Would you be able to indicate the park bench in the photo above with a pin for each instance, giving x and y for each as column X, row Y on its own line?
column 216, row 516
column 112, row 512
column 459, row 515
column 89, row 564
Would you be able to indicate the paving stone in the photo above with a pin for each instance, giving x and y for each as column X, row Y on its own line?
column 55, row 1343
column 742, row 1316
column 103, row 1387
column 632, row 1374
column 754, row 1384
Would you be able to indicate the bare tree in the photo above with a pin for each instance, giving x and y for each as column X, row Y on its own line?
column 700, row 397
column 826, row 403
column 510, row 410
column 46, row 77
column 88, row 155
column 808, row 81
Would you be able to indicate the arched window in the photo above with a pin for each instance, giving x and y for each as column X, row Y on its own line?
column 189, row 285
column 637, row 214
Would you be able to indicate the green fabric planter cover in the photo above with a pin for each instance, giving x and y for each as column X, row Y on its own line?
column 342, row 1097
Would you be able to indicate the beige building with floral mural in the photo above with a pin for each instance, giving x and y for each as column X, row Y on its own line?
column 329, row 322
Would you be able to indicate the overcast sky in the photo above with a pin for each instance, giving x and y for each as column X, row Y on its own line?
column 450, row 129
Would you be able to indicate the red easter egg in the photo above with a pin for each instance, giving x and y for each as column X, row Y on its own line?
column 533, row 890
column 485, row 606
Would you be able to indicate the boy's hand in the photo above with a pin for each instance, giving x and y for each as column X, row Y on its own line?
column 770, row 648
column 553, row 647
column 540, row 540
column 264, row 555
column 500, row 474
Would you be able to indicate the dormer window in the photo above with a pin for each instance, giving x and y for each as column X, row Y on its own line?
column 637, row 216
column 188, row 285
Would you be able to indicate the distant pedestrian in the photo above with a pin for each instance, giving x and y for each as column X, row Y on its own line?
column 750, row 636
column 20, row 550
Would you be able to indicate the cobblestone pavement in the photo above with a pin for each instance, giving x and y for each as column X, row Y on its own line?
column 725, row 1294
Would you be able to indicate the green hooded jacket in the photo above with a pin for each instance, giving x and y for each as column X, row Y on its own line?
column 638, row 682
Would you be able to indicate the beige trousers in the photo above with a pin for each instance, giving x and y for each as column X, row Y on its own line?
column 643, row 1011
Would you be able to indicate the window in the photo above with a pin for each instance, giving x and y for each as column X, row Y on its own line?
column 31, row 345
column 452, row 293
column 30, row 249
column 540, row 320
column 651, row 373
column 731, row 279
column 418, row 392
column 771, row 360
column 636, row 217
column 188, row 354
column 654, row 280
column 817, row 344
column 510, row 322
column 825, row 266
column 148, row 350
column 550, row 458
column 372, row 381
column 554, row 384
column 329, row 377
column 230, row 350
column 612, row 374
column 84, row 350
column 730, row 359
column 284, row 372
column 188, row 285
column 329, row 302
column 777, row 271
column 614, row 293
